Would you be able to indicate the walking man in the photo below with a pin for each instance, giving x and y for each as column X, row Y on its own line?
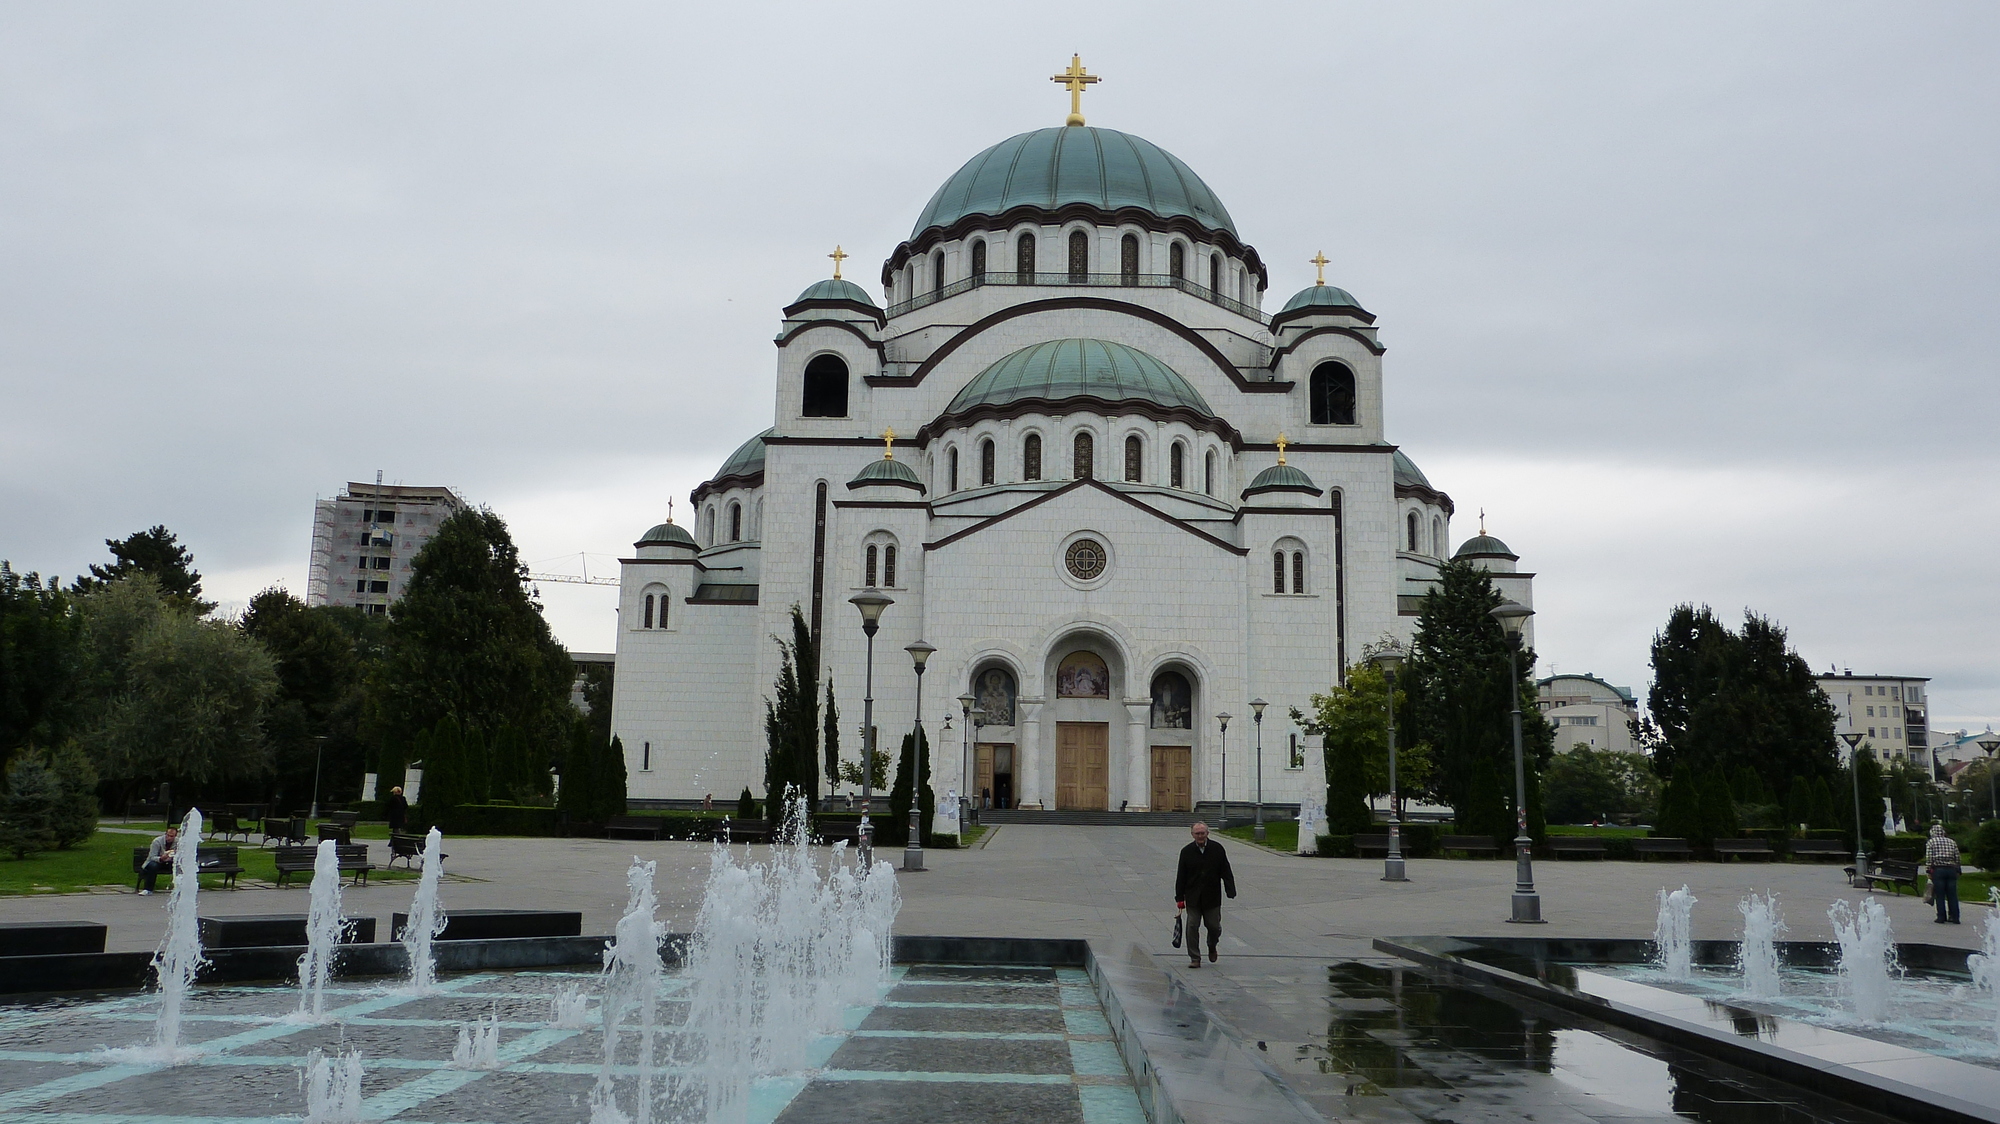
column 1941, row 855
column 159, row 857
column 397, row 810
column 1203, row 877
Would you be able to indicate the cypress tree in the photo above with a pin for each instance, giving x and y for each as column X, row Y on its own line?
column 1718, row 808
column 1823, row 815
column 830, row 737
column 1798, row 805
column 1680, row 808
column 746, row 805
column 445, row 785
column 792, row 722
column 913, row 768
column 577, row 798
column 73, row 819
column 611, row 797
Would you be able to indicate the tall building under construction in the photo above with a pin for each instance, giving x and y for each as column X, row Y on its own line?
column 365, row 539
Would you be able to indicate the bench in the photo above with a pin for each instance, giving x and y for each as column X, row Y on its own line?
column 1470, row 844
column 51, row 938
column 834, row 831
column 347, row 820
column 1666, row 845
column 284, row 829
column 1744, row 848
column 353, row 859
column 1369, row 846
column 1585, row 845
column 219, row 860
column 248, row 813
column 146, row 812
column 225, row 824
column 745, row 831
column 1895, row 872
column 410, row 849
column 634, row 827
column 268, row 929
column 498, row 924
column 343, row 834
column 1821, row 849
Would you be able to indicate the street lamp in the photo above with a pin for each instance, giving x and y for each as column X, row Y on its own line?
column 913, row 847
column 319, row 755
column 964, row 766
column 1257, row 713
column 1390, row 660
column 1989, row 743
column 871, row 602
column 1853, row 740
column 1223, row 719
column 1513, row 617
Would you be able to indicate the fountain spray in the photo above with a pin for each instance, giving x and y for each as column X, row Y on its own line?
column 325, row 929
column 631, row 981
column 1673, row 934
column 1867, row 957
column 427, row 918
column 333, row 1087
column 1985, row 964
column 179, row 955
column 1757, row 954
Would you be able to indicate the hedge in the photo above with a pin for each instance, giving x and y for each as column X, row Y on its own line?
column 493, row 819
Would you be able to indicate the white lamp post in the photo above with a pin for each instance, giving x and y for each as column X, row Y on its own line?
column 1257, row 714
column 1989, row 743
column 1390, row 659
column 871, row 602
column 1513, row 617
column 1223, row 719
column 913, row 847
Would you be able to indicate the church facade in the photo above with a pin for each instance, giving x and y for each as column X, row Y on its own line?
column 1117, row 497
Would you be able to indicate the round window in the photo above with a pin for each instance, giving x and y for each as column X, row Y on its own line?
column 1085, row 559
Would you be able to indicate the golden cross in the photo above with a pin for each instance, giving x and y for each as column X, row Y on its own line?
column 670, row 509
column 1318, row 259
column 1281, row 448
column 1075, row 79
column 1482, row 521
column 838, row 255
column 889, row 443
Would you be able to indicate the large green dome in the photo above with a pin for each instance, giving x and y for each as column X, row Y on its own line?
column 1050, row 168
column 1320, row 296
column 747, row 460
column 1057, row 370
column 835, row 289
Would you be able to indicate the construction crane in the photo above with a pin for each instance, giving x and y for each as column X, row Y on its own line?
column 572, row 579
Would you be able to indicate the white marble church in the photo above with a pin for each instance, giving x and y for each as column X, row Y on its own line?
column 1118, row 497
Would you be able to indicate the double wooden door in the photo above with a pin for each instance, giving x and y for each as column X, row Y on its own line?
column 1083, row 765
column 1173, row 778
column 993, row 774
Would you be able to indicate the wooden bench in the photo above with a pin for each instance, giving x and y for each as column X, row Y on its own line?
column 284, row 829
column 1895, row 872
column 1821, row 849
column 1667, row 845
column 634, row 827
column 1470, row 844
column 218, row 860
column 745, row 831
column 1744, row 848
column 248, row 813
column 339, row 833
column 353, row 859
column 224, row 825
column 146, row 812
column 1587, row 846
column 348, row 820
column 410, row 849
column 1369, row 846
column 834, row 831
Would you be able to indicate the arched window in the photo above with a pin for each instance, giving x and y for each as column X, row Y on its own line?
column 889, row 565
column 1134, row 453
column 1437, row 537
column 1177, row 259
column 1332, row 390
column 985, row 462
column 708, row 526
column 1128, row 260
column 1173, row 702
column 1083, row 461
column 951, row 479
column 868, row 559
column 1277, row 571
column 1024, row 260
column 648, row 619
column 1031, row 457
column 1215, row 274
column 979, row 258
column 1083, row 675
column 1298, row 571
column 937, row 271
column 1176, row 466
column 1079, row 257
column 1411, row 524
column 735, row 522
column 826, row 388
column 1208, row 473
column 995, row 689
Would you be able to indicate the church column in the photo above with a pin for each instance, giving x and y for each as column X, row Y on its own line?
column 1138, row 766
column 1028, row 771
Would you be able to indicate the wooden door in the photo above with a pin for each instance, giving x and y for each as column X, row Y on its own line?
column 1083, row 765
column 1173, row 778
column 990, row 758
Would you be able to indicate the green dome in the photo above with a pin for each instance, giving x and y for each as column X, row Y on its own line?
column 1049, row 168
column 1282, row 478
column 1058, row 370
column 747, row 460
column 835, row 290
column 889, row 471
column 1408, row 474
column 1320, row 296
column 668, row 534
column 1484, row 544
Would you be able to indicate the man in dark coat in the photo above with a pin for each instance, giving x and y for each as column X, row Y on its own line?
column 397, row 810
column 1203, row 877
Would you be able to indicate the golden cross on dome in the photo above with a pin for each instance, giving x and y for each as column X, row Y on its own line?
column 1318, row 259
column 670, row 509
column 1482, row 521
column 1075, row 79
column 838, row 255
column 889, row 443
column 1282, row 442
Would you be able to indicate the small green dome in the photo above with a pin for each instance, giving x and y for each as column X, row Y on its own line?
column 747, row 460
column 886, row 470
column 666, row 534
column 1050, row 168
column 1408, row 474
column 1321, row 297
column 1058, row 370
column 835, row 290
column 1282, row 478
column 1479, row 545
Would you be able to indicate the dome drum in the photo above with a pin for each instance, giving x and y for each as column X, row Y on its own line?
column 743, row 469
column 835, row 294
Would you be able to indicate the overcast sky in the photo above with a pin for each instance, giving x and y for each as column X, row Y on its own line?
column 1698, row 300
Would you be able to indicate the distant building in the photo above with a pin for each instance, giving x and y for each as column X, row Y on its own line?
column 364, row 541
column 1955, row 750
column 1886, row 710
column 1586, row 710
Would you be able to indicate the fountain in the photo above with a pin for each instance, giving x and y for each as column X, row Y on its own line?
column 179, row 956
column 1757, row 955
column 333, row 1087
column 427, row 918
column 325, row 929
column 1673, row 934
column 631, row 981
column 1985, row 964
column 1867, row 957
column 478, row 1043
column 569, row 1008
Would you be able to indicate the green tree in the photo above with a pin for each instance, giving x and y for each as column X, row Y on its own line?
column 157, row 554
column 1352, row 723
column 73, row 820
column 1680, row 809
column 1458, row 679
column 611, row 796
column 579, row 797
column 1798, row 804
column 38, row 662
column 746, row 805
column 448, row 773
column 315, row 725
column 792, row 722
column 1737, row 699
column 913, row 770
column 1824, row 818
column 1718, row 808
column 28, row 807
column 1586, row 784
column 830, row 736
column 1869, row 771
column 598, row 681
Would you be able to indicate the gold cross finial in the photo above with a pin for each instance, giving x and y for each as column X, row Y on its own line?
column 838, row 255
column 1282, row 442
column 889, row 443
column 1075, row 79
column 1319, row 259
column 1482, row 521
column 670, row 509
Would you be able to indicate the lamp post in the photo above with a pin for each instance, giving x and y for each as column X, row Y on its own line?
column 913, row 847
column 964, row 767
column 319, row 755
column 1513, row 617
column 1257, row 715
column 1853, row 740
column 1223, row 719
column 1390, row 659
column 1989, row 743
column 871, row 602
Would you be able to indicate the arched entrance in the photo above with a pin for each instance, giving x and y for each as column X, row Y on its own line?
column 1087, row 677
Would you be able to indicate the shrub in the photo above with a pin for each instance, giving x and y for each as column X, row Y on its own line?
column 746, row 805
column 495, row 819
column 1335, row 846
column 73, row 819
column 1985, row 849
column 27, row 809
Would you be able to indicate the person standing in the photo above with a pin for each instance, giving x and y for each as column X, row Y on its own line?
column 159, row 857
column 397, row 810
column 1941, row 855
column 1204, row 876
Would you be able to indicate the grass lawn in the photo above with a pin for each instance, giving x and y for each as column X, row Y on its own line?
column 1279, row 835
column 1599, row 832
column 972, row 834
column 106, row 860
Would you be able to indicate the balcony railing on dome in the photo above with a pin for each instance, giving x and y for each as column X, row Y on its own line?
column 1080, row 280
